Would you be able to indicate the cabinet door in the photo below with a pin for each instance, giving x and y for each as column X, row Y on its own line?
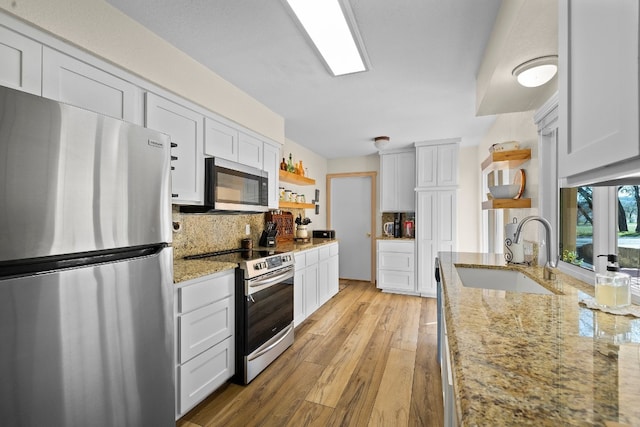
column 250, row 151
column 220, row 140
column 426, row 166
column 426, row 233
column 205, row 327
column 184, row 126
column 334, row 275
column 598, row 71
column 406, row 181
column 447, row 165
column 204, row 373
column 20, row 62
column 311, row 303
column 298, row 296
column 271, row 164
column 71, row 81
column 447, row 213
column 324, row 271
column 388, row 172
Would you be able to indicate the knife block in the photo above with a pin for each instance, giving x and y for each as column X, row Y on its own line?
column 284, row 225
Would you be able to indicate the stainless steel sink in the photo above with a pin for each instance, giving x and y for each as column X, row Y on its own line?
column 499, row 279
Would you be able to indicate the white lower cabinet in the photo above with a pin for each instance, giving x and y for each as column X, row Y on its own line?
column 396, row 266
column 315, row 280
column 205, row 345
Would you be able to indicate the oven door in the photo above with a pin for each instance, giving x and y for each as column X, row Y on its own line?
column 235, row 187
column 268, row 307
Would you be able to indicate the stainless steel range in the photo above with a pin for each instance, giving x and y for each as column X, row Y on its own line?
column 264, row 308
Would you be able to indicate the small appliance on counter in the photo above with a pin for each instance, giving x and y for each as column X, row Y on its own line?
column 324, row 234
column 397, row 229
column 268, row 238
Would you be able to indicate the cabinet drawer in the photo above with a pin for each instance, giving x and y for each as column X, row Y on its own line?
column 395, row 261
column 205, row 291
column 300, row 260
column 324, row 252
column 312, row 257
column 202, row 375
column 403, row 280
column 333, row 249
column 406, row 246
column 205, row 327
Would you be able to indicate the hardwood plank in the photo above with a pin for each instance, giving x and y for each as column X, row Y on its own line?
column 284, row 402
column 426, row 394
column 405, row 336
column 310, row 414
column 336, row 376
column 393, row 401
column 354, row 407
column 428, row 316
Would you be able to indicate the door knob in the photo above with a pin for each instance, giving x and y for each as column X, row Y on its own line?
column 368, row 234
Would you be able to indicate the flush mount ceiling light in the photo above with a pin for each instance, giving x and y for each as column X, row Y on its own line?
column 331, row 27
column 381, row 142
column 536, row 72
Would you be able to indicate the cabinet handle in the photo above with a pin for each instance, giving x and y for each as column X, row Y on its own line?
column 174, row 195
column 173, row 168
column 174, row 158
column 174, row 145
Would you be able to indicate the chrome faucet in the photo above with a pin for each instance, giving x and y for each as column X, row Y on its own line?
column 551, row 263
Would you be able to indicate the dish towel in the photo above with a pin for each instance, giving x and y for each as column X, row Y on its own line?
column 630, row 310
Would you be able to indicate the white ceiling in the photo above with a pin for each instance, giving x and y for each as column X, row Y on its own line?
column 424, row 57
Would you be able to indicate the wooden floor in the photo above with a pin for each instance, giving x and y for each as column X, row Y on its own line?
column 365, row 358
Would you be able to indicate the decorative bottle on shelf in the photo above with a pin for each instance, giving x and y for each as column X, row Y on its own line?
column 290, row 167
column 300, row 168
column 283, row 164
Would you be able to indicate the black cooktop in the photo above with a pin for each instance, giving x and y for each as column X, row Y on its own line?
column 236, row 255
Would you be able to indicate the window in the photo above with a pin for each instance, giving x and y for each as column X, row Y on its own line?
column 628, row 233
column 576, row 226
column 598, row 221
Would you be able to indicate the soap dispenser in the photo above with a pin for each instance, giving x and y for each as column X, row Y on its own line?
column 613, row 287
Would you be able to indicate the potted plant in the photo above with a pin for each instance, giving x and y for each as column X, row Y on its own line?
column 301, row 227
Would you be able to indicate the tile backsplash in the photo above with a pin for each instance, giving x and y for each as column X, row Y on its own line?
column 201, row 233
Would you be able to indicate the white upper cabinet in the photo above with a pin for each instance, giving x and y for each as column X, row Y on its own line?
column 220, row 140
column 398, row 181
column 598, row 72
column 436, row 165
column 184, row 126
column 74, row 82
column 271, row 165
column 250, row 151
column 20, row 62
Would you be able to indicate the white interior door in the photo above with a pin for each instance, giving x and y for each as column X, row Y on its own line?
column 351, row 219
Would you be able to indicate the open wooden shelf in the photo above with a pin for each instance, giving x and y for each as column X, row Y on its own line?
column 510, row 159
column 506, row 204
column 293, row 178
column 294, row 205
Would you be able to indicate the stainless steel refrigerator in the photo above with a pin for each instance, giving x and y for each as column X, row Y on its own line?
column 86, row 287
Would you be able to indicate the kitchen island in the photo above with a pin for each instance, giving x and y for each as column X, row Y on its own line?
column 528, row 359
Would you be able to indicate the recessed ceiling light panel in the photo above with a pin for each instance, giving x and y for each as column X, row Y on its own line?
column 536, row 72
column 329, row 24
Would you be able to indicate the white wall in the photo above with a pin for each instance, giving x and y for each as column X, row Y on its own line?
column 468, row 200
column 317, row 167
column 97, row 27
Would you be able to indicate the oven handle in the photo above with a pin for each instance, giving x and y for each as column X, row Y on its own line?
column 253, row 287
column 284, row 334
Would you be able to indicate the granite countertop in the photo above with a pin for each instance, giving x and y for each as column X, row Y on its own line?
column 527, row 359
column 184, row 270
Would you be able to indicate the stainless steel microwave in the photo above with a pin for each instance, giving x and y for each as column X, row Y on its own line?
column 231, row 186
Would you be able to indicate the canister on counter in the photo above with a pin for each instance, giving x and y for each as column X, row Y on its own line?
column 246, row 244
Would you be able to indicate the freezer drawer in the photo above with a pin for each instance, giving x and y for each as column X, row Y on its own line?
column 89, row 346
